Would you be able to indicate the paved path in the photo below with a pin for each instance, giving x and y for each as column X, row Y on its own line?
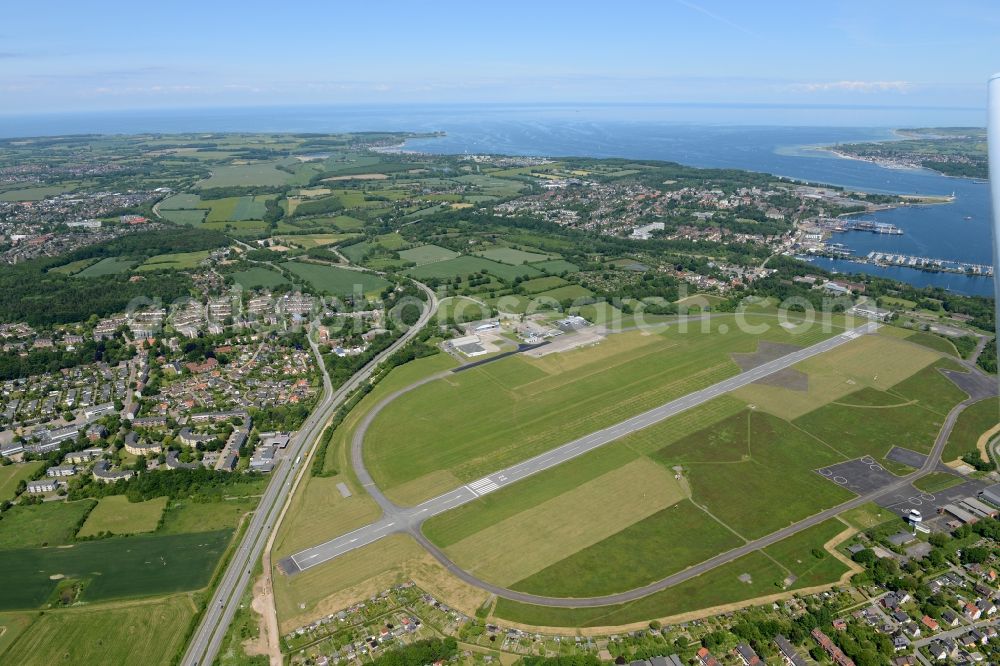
column 409, row 519
column 207, row 639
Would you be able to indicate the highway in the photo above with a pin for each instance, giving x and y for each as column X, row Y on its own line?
column 409, row 519
column 207, row 638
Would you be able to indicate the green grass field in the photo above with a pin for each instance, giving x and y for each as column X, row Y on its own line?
column 509, row 255
column 347, row 223
column 337, row 281
column 465, row 309
column 188, row 217
column 115, row 514
column 556, row 267
column 803, row 555
column 11, row 475
column 115, row 568
column 975, row 420
column 178, row 261
column 935, row 342
column 183, row 516
column 542, row 284
column 249, row 175
column 935, row 482
column 107, row 266
column 643, row 552
column 135, row 633
column 259, row 278
column 73, row 266
column 50, row 523
column 34, row 193
column 753, row 471
column 869, row 422
column 308, row 241
column 234, row 209
column 427, row 254
column 466, row 265
column 13, row 625
column 571, row 292
column 538, row 404
column 182, row 202
column 719, row 586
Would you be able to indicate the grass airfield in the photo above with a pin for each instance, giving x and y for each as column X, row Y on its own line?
column 650, row 504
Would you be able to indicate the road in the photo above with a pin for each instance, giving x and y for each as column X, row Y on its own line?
column 409, row 519
column 205, row 642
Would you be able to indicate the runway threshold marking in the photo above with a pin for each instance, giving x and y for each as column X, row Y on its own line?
column 483, row 486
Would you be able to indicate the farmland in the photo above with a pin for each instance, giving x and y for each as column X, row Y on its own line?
column 427, row 254
column 178, row 261
column 107, row 266
column 466, row 265
column 259, row 278
column 119, row 567
column 115, row 514
column 235, row 208
column 248, row 175
column 189, row 217
column 139, row 632
column 515, row 257
column 337, row 281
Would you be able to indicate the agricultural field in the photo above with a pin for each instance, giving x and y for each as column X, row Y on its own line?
column 309, row 241
column 235, row 209
column 346, row 223
column 179, row 261
column 556, row 267
column 337, row 281
column 13, row 625
column 570, row 292
column 542, row 284
column 115, row 514
column 427, row 254
column 465, row 265
column 463, row 309
column 537, row 404
column 512, row 256
column 11, row 475
column 114, row 568
column 259, row 278
column 247, row 175
column 189, row 217
column 36, row 193
column 185, row 201
column 108, row 266
column 150, row 632
column 73, row 266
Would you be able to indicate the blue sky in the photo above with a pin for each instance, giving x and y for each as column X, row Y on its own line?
column 69, row 56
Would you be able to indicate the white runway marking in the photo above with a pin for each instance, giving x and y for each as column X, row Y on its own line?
column 483, row 486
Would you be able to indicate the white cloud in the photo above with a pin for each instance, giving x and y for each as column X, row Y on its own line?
column 855, row 86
